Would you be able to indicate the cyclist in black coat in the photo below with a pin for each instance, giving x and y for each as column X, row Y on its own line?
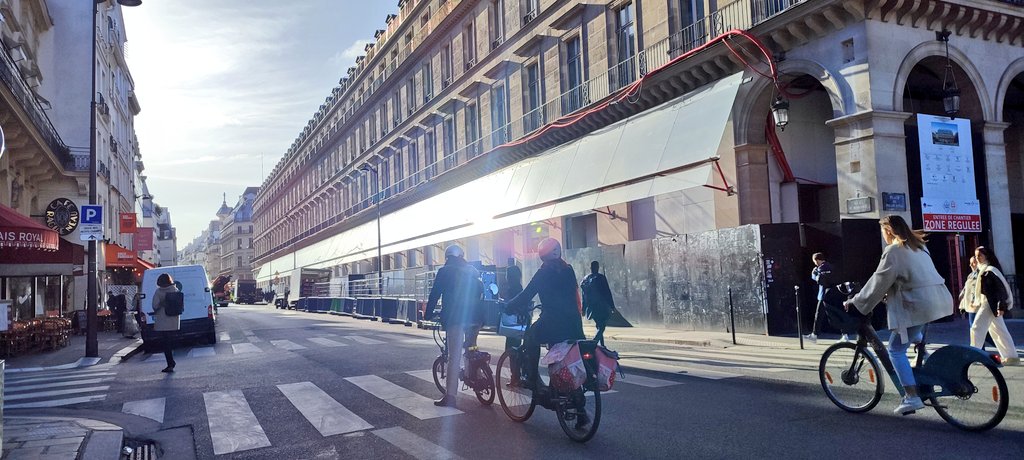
column 458, row 284
column 560, row 318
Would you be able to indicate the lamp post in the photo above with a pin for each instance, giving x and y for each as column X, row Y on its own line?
column 92, row 283
column 380, row 258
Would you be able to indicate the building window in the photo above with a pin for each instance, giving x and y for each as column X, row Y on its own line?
column 385, row 178
column 626, row 41
column 472, row 130
column 410, row 95
column 427, row 75
column 399, row 172
column 497, row 19
column 448, row 128
column 240, row 261
column 469, row 44
column 430, row 153
column 383, row 119
column 447, row 66
column 530, row 9
column 575, row 94
column 396, row 108
column 499, row 114
column 535, row 116
column 414, row 162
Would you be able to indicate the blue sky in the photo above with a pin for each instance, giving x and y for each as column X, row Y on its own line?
column 227, row 85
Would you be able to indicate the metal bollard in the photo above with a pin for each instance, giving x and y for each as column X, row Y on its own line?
column 799, row 330
column 732, row 317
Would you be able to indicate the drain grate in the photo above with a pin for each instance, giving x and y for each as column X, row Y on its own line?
column 140, row 450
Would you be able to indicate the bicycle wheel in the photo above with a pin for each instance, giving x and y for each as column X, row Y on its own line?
column 486, row 395
column 580, row 414
column 852, row 379
column 978, row 406
column 439, row 368
column 516, row 401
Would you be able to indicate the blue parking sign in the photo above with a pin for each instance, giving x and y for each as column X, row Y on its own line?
column 92, row 214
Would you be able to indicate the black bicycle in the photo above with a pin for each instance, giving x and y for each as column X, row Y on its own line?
column 963, row 384
column 476, row 374
column 578, row 410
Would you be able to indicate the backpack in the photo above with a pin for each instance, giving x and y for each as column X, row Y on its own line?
column 174, row 303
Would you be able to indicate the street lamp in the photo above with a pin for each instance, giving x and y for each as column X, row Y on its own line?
column 780, row 111
column 380, row 258
column 950, row 92
column 92, row 321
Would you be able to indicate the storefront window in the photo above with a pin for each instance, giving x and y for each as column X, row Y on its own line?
column 19, row 290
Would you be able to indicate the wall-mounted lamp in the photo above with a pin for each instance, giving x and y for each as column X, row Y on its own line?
column 950, row 92
column 780, row 111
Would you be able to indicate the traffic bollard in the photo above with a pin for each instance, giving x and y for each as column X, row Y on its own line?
column 732, row 317
column 799, row 331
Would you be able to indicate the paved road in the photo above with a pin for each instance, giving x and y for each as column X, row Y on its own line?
column 284, row 384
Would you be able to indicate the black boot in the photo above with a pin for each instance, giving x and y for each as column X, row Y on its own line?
column 445, row 402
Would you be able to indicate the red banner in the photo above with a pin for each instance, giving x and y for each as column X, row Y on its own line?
column 143, row 239
column 952, row 223
column 128, row 222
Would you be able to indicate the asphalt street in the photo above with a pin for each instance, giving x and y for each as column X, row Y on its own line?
column 285, row 384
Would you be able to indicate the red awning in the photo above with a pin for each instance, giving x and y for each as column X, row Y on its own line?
column 119, row 257
column 19, row 231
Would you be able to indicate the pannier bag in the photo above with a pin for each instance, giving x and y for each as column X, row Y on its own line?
column 565, row 367
column 607, row 365
column 174, row 303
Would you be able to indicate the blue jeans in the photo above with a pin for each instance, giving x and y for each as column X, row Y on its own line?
column 898, row 354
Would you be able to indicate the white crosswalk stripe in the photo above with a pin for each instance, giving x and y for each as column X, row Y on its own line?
column 287, row 345
column 233, row 426
column 55, row 388
column 364, row 340
column 325, row 342
column 326, row 414
column 240, row 348
column 414, row 445
column 201, row 352
column 413, row 403
column 152, row 409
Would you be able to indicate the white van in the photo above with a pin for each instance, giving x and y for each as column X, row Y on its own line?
column 198, row 321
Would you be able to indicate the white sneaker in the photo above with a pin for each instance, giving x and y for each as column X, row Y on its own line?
column 909, row 405
column 845, row 338
column 811, row 338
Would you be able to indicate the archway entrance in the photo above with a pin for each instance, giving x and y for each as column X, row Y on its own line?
column 1013, row 113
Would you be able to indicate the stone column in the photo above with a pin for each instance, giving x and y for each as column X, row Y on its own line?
column 871, row 158
column 1000, row 230
column 752, row 184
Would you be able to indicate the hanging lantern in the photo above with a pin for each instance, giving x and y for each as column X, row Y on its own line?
column 780, row 111
column 950, row 92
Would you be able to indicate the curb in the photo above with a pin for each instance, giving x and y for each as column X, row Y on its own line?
column 126, row 353
column 82, row 362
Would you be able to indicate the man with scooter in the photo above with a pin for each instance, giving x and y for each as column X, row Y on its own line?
column 458, row 284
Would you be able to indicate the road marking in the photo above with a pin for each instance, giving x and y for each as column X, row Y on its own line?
column 326, row 414
column 401, row 338
column 647, row 381
column 46, row 394
column 690, row 371
column 53, row 374
column 427, row 375
column 414, row 445
column 233, row 426
column 201, row 352
column 364, row 340
column 152, row 409
column 13, row 382
column 412, row 403
column 287, row 345
column 762, row 360
column 56, row 402
column 717, row 360
column 325, row 342
column 18, row 387
column 240, row 348
column 225, row 337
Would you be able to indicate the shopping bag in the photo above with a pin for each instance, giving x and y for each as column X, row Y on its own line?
column 569, row 372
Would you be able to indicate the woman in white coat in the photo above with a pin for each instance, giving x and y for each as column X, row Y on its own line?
column 990, row 312
column 915, row 295
column 166, row 325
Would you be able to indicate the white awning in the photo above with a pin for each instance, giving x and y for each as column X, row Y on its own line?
column 666, row 149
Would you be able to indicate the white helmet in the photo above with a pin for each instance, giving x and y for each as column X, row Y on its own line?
column 549, row 249
column 454, row 251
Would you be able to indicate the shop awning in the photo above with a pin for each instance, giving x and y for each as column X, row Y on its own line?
column 19, row 231
column 119, row 257
column 33, row 262
column 667, row 149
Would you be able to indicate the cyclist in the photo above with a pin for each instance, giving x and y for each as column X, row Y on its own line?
column 916, row 295
column 560, row 319
column 459, row 284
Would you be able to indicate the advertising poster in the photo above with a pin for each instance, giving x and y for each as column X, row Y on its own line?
column 950, row 199
column 127, row 222
column 143, row 239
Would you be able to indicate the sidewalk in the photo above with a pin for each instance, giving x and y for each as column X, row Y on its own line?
column 31, row 434
column 953, row 332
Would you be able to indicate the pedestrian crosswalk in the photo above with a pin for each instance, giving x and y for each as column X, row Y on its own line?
column 55, row 388
column 237, row 418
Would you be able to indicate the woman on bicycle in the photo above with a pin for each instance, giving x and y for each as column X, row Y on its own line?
column 560, row 317
column 915, row 295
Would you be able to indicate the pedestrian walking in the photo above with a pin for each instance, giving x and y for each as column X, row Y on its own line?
column 167, row 325
column 598, row 304
column 967, row 296
column 459, row 286
column 512, row 287
column 992, row 300
column 822, row 275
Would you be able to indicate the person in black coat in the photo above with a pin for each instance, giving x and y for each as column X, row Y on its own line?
column 560, row 317
column 597, row 300
column 458, row 283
